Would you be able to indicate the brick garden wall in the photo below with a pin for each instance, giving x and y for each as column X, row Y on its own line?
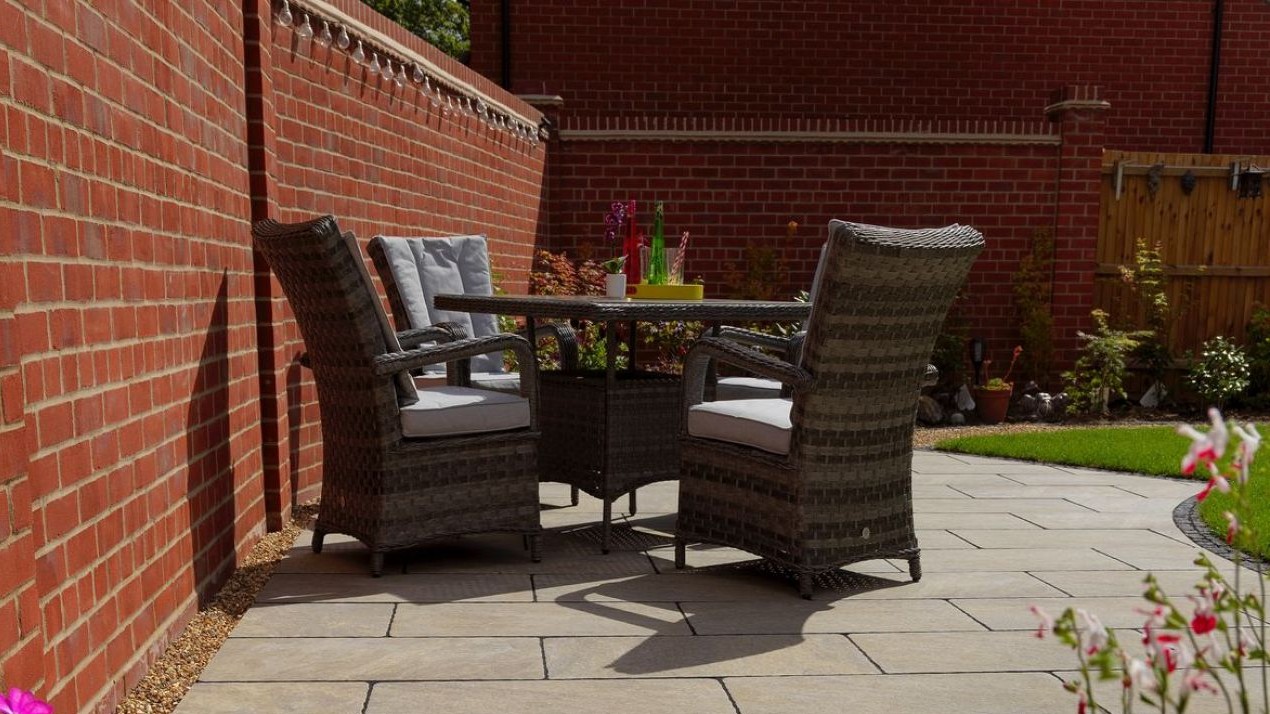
column 153, row 422
column 909, row 59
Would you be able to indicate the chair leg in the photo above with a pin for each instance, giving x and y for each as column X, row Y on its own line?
column 535, row 547
column 681, row 553
column 573, row 496
column 376, row 564
column 805, row 586
column 604, row 526
column 915, row 568
column 318, row 537
column 632, row 509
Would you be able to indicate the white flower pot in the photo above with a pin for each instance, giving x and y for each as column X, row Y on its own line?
column 615, row 284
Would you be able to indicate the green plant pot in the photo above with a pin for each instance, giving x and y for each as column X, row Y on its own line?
column 992, row 404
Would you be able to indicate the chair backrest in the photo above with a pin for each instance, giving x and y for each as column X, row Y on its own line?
column 328, row 288
column 416, row 270
column 879, row 304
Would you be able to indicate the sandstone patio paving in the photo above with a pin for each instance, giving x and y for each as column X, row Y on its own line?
column 472, row 625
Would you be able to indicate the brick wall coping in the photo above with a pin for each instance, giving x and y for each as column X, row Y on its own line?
column 663, row 128
column 334, row 12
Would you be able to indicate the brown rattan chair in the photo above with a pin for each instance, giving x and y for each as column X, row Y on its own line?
column 401, row 466
column 825, row 480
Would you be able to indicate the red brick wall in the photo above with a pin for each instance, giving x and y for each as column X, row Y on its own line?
column 126, row 344
column 910, row 59
column 151, row 413
column 734, row 195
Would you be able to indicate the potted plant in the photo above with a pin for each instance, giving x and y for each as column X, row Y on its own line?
column 615, row 278
column 992, row 398
column 614, row 222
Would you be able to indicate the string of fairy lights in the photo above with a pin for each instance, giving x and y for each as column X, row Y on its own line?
column 446, row 99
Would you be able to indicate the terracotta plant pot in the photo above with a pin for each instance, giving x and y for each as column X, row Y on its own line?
column 992, row 404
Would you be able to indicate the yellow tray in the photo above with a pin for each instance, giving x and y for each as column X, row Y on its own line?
column 691, row 291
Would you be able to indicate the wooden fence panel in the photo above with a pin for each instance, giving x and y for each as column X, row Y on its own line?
column 1215, row 245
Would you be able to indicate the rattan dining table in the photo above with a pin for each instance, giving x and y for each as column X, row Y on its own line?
column 609, row 432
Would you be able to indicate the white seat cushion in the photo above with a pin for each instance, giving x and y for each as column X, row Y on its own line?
column 451, row 411
column 746, row 388
column 499, row 381
column 760, row 423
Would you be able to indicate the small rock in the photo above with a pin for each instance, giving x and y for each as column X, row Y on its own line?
column 965, row 402
column 1027, row 405
column 929, row 411
column 1154, row 396
column 1031, row 388
column 956, row 418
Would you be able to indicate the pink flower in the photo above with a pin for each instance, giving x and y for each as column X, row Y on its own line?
column 1203, row 622
column 21, row 701
column 1047, row 623
column 1197, row 681
column 1140, row 676
column 1218, row 482
column 1205, row 448
column 1094, row 629
column 1232, row 527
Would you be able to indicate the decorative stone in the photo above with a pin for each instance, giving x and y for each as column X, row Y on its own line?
column 1154, row 396
column 1031, row 388
column 965, row 402
column 1027, row 406
column 1058, row 406
column 1044, row 405
column 929, row 411
column 956, row 418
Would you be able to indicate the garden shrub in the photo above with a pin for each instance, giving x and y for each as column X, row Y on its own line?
column 1221, row 372
column 1258, row 394
column 1148, row 284
column 1100, row 371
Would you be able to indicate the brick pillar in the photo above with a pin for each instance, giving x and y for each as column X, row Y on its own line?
column 22, row 638
column 1082, row 120
column 258, row 40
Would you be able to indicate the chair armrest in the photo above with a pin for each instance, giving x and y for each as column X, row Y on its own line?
column 459, row 351
column 565, row 338
column 754, row 338
column 440, row 332
column 729, row 352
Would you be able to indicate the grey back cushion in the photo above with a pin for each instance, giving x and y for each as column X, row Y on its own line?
column 423, row 268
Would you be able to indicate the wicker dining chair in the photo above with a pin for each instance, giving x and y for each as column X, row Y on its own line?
column 415, row 270
column 824, row 480
column 401, row 466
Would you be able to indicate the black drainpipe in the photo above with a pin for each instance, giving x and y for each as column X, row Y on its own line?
column 1214, row 70
column 506, row 26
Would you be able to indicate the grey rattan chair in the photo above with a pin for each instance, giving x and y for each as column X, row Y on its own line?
column 825, row 480
column 400, row 466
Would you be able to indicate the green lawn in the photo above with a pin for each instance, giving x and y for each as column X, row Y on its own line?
column 1156, row 450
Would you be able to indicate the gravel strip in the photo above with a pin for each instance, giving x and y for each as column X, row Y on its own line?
column 176, row 670
column 927, row 437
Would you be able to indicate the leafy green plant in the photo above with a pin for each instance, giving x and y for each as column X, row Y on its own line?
column 1148, row 284
column 1259, row 357
column 1033, row 288
column 1100, row 370
column 761, row 277
column 444, row 23
column 1221, row 372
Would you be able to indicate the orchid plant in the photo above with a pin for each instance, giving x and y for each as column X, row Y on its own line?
column 614, row 223
column 20, row 701
column 1200, row 649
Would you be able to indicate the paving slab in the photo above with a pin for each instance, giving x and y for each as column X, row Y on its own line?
column 1127, row 504
column 1126, row 583
column 675, row 586
column 308, row 587
column 570, row 552
column 1014, row 613
column 844, row 616
column 713, row 656
column 344, row 659
column 316, row 620
column 1017, row 559
column 1172, row 556
column 951, row 652
column 928, row 539
column 1004, row 505
column 1075, row 493
column 1033, row 693
column 1089, row 520
column 923, row 520
column 957, row 585
column 273, row 697
column 646, row 696
column 1072, row 538
column 538, row 619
